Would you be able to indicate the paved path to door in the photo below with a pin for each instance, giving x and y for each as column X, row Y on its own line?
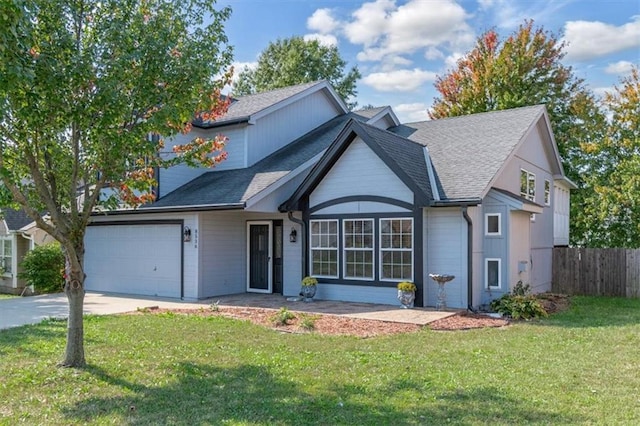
column 32, row 310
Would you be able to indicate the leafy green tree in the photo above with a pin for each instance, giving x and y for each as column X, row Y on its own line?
column 294, row 60
column 83, row 84
column 609, row 212
column 524, row 69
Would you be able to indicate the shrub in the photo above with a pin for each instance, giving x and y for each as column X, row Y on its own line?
column 308, row 322
column 283, row 316
column 519, row 304
column 43, row 268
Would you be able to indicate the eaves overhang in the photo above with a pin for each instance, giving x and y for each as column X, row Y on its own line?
column 172, row 209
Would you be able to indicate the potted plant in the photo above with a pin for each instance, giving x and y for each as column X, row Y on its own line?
column 308, row 289
column 406, row 293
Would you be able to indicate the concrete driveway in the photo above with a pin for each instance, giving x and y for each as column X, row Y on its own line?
column 19, row 311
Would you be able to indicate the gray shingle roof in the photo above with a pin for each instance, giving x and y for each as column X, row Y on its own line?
column 229, row 187
column 468, row 151
column 15, row 219
column 369, row 113
column 242, row 108
column 408, row 156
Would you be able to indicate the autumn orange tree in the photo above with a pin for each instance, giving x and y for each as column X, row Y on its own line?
column 86, row 88
column 524, row 69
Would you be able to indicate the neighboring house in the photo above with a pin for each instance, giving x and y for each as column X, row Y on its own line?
column 18, row 235
column 353, row 198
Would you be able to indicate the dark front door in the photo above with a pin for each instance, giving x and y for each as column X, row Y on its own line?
column 259, row 257
column 277, row 256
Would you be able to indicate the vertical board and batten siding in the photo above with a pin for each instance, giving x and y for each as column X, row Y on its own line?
column 561, row 207
column 496, row 246
column 359, row 171
column 596, row 272
column 176, row 176
column 445, row 253
column 283, row 126
column 223, row 256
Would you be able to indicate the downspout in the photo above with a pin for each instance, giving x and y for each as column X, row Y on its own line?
column 303, row 234
column 469, row 259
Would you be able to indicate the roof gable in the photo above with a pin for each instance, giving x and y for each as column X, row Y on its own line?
column 404, row 157
column 247, row 109
column 468, row 152
column 15, row 219
column 234, row 188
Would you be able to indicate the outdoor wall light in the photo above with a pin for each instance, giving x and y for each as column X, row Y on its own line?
column 293, row 236
column 186, row 234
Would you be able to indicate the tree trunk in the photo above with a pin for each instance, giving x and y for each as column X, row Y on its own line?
column 74, row 289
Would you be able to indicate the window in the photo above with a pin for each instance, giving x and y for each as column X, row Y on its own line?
column 358, row 248
column 492, row 224
column 396, row 249
column 492, row 273
column 547, row 193
column 324, row 248
column 5, row 254
column 528, row 185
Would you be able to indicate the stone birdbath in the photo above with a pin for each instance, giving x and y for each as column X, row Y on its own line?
column 441, row 279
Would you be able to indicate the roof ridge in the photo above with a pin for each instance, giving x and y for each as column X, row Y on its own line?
column 476, row 114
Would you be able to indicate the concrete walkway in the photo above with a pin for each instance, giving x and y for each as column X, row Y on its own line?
column 32, row 310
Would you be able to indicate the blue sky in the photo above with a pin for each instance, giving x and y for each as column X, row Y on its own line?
column 401, row 46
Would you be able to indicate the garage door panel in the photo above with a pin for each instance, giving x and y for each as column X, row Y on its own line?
column 134, row 259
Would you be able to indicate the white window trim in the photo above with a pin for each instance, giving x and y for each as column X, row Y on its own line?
column 337, row 248
column 486, row 273
column 547, row 192
column 486, row 225
column 2, row 256
column 372, row 250
column 381, row 249
column 526, row 195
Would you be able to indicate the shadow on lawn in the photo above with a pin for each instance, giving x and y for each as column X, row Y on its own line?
column 200, row 394
column 479, row 405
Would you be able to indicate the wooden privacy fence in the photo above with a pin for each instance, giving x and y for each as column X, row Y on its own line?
column 596, row 272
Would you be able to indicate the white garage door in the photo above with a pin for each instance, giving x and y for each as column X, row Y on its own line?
column 143, row 259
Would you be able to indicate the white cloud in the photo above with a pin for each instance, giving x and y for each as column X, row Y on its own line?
column 238, row 67
column 322, row 21
column 398, row 80
column 619, row 68
column 408, row 113
column 591, row 39
column 451, row 61
column 369, row 23
column 432, row 53
column 324, row 39
column 386, row 29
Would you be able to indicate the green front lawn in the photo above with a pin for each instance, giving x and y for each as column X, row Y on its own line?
column 577, row 367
